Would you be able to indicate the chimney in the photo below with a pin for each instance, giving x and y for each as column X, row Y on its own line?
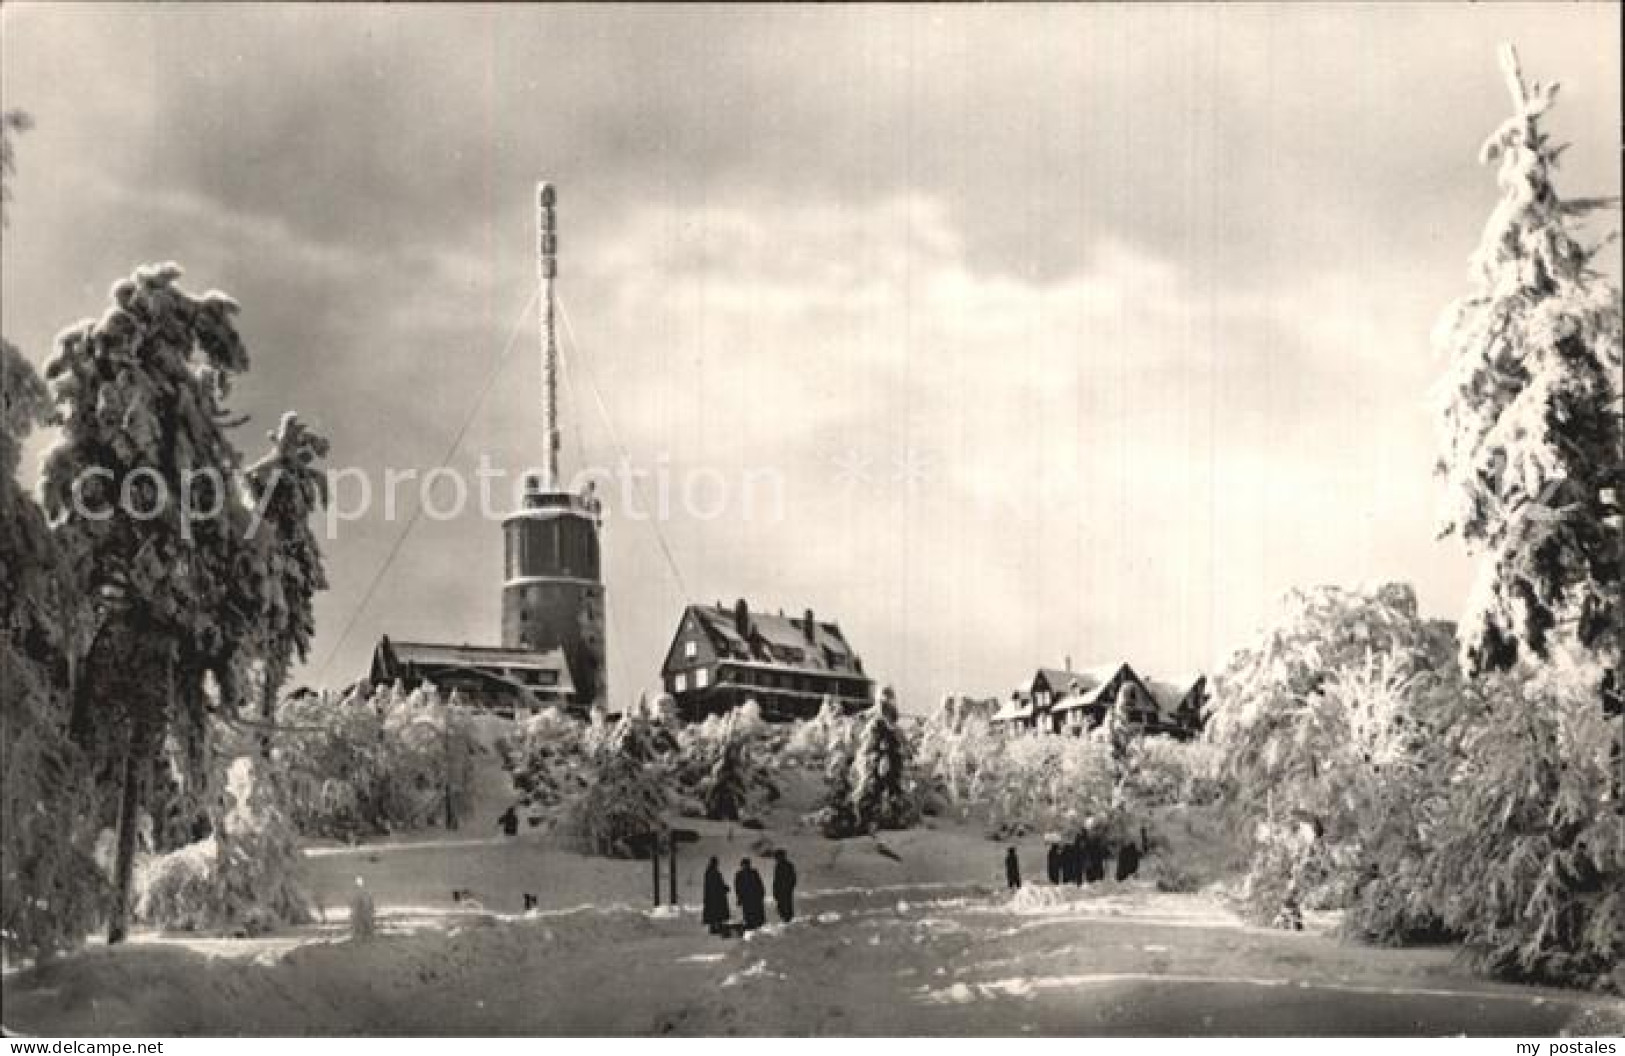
column 1069, row 663
column 809, row 628
column 742, row 618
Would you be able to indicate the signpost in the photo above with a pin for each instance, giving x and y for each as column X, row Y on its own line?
column 652, row 843
column 654, row 860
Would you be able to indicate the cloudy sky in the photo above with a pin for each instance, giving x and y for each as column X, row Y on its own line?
column 1068, row 331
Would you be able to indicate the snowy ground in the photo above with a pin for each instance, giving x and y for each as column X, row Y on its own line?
column 907, row 935
column 930, row 961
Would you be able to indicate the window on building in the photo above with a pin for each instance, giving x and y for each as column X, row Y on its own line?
column 702, row 678
column 679, row 683
column 690, row 650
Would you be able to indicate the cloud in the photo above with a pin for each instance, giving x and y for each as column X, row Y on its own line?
column 1103, row 452
column 1146, row 289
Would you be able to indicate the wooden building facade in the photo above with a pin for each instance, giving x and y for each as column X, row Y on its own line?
column 505, row 681
column 721, row 657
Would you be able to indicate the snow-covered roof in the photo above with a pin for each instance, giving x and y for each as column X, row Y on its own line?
column 1170, row 692
column 489, row 656
column 1062, row 680
column 781, row 641
column 1080, row 700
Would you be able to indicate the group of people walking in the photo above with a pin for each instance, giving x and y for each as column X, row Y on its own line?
column 748, row 890
column 1081, row 860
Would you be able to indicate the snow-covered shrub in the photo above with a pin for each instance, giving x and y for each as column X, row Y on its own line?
column 956, row 754
column 1523, row 858
column 375, row 762
column 1172, row 874
column 1321, row 723
column 546, row 758
column 334, row 753
column 619, row 810
column 1041, row 781
column 1163, row 772
column 246, row 877
column 434, row 745
column 600, row 787
column 811, row 743
column 721, row 763
column 178, row 891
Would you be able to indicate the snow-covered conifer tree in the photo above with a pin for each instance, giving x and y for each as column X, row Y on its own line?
column 50, row 888
column 836, row 818
column 145, row 498
column 882, row 792
column 286, row 488
column 1530, row 412
column 1530, row 866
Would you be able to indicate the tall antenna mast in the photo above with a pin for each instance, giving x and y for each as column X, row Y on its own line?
column 547, row 270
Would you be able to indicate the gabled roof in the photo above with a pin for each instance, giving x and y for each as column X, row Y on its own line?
column 1086, row 699
column 1169, row 693
column 484, row 655
column 778, row 641
column 1061, row 680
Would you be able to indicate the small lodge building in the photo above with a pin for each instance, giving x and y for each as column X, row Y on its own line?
column 721, row 657
column 1061, row 700
column 506, row 681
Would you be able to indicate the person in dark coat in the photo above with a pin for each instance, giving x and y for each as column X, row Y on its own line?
column 1052, row 864
column 1012, row 870
column 752, row 896
column 784, row 885
column 1128, row 861
column 715, row 914
column 1094, row 856
column 509, row 822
